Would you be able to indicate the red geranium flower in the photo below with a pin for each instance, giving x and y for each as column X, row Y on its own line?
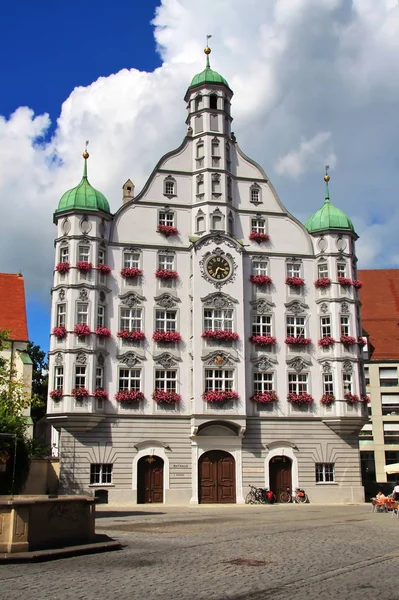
column 83, row 266
column 220, row 395
column 351, row 398
column 299, row 398
column 80, row 393
column 327, row 399
column 135, row 336
column 166, row 274
column 297, row 341
column 169, row 337
column 100, row 393
column 104, row 269
column 322, row 282
column 60, row 332
column 63, row 267
column 103, row 332
column 130, row 272
column 128, row 396
column 81, row 330
column 344, row 281
column 168, row 397
column 56, row 395
column 167, row 230
column 347, row 340
column 326, row 342
column 357, row 284
column 265, row 397
column 256, row 236
column 263, row 340
column 260, row 279
column 220, row 334
column 294, row 282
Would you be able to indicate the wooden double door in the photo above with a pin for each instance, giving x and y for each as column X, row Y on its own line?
column 216, row 478
column 280, row 476
column 150, row 480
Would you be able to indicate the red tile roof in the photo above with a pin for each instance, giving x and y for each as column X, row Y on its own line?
column 12, row 307
column 380, row 311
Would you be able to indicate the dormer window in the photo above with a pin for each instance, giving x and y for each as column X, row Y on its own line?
column 170, row 186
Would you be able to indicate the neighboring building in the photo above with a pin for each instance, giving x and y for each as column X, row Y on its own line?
column 13, row 319
column 379, row 439
column 204, row 336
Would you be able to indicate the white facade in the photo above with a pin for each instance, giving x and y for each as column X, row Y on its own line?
column 214, row 196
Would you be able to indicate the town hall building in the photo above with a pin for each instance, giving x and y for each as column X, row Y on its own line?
column 202, row 338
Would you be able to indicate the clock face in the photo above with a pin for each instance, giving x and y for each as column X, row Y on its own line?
column 218, row 267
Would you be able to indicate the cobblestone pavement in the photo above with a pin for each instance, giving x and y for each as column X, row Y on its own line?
column 225, row 553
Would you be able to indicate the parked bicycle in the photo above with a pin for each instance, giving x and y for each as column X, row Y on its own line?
column 258, row 495
column 298, row 496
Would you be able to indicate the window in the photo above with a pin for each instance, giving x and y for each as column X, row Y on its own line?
column 198, row 124
column 328, row 385
column 390, row 404
column 214, row 125
column 388, row 376
column 347, row 383
column 322, row 270
column 228, row 155
column 198, row 102
column 325, row 473
column 101, row 315
column 217, row 222
column 229, row 188
column 165, row 380
column 366, row 376
column 58, row 378
column 259, row 267
column 200, row 184
column 100, row 474
column 258, row 225
column 295, row 326
column 341, row 269
column 166, row 218
column 200, row 224
column 131, row 260
column 169, row 186
column 130, row 379
column 64, row 254
column 215, row 183
column 82, row 313
column 61, row 314
column 100, row 377
column 263, row 382
column 213, row 101
column 215, row 149
column 165, row 320
column 298, row 383
column 218, row 319
column 218, row 379
column 131, row 319
column 101, row 259
column 254, row 194
column 84, row 253
column 293, row 269
column 325, row 326
column 166, row 261
column 200, row 150
column 80, row 377
column 344, row 324
column 262, row 325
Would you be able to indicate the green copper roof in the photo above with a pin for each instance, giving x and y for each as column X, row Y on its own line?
column 208, row 75
column 328, row 217
column 83, row 196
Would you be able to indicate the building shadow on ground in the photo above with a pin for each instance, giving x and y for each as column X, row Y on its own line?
column 109, row 514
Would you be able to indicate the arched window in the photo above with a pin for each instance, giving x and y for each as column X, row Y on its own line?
column 169, row 186
column 200, row 184
column 217, row 220
column 215, row 183
column 213, row 101
column 64, row 253
column 200, row 150
column 200, row 222
column 198, row 102
column 255, row 194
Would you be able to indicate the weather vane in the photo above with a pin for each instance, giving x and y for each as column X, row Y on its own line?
column 85, row 153
column 207, row 38
column 326, row 176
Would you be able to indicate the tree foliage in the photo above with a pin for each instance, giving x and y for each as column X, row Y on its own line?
column 39, row 380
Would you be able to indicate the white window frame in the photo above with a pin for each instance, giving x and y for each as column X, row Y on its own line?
column 295, row 325
column 131, row 319
column 325, row 326
column 166, row 380
column 80, row 376
column 255, row 195
column 347, row 383
column 215, row 149
column 262, row 324
column 293, row 269
column 101, row 315
column 166, row 261
column 101, row 256
column 217, row 380
column 218, row 319
column 328, row 383
column 258, row 225
column 263, row 382
column 101, row 474
column 298, row 383
column 131, row 259
column 344, row 324
column 341, row 269
column 322, row 270
column 215, row 183
column 200, row 153
column 201, row 224
column 129, row 379
column 99, row 376
column 325, row 472
column 165, row 320
column 61, row 314
column 64, row 254
column 82, row 313
column 84, row 252
column 59, row 377
column 166, row 218
column 169, row 186
column 260, row 267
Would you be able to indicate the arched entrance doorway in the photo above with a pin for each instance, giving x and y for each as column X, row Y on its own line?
column 216, row 478
column 280, row 468
column 150, row 480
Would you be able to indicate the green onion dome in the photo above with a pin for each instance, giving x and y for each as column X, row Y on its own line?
column 329, row 216
column 208, row 75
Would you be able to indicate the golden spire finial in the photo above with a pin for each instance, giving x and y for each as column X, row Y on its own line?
column 326, row 176
column 85, row 153
column 207, row 50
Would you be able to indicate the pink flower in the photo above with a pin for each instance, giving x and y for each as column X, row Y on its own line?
column 265, row 397
column 4, row 456
column 260, row 279
column 80, row 393
column 362, row 342
column 166, row 274
column 60, row 332
column 168, row 397
column 100, row 393
column 129, row 396
column 103, row 332
column 327, row 399
column 344, row 281
column 263, row 340
column 297, row 341
column 220, row 395
column 83, row 266
column 104, row 269
column 167, row 230
column 347, row 340
column 169, row 337
column 135, row 336
column 256, row 236
column 56, row 395
column 326, row 342
column 322, row 282
column 357, row 284
column 351, row 398
column 131, row 272
column 220, row 334
column 364, row 398
column 63, row 267
column 299, row 398
column 81, row 330
column 294, row 282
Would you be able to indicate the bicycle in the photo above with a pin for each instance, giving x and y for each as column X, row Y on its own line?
column 259, row 496
column 298, row 497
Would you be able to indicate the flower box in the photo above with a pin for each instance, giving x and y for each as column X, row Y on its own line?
column 322, row 283
column 167, row 230
column 347, row 340
column 357, row 284
column 220, row 335
column 263, row 340
column 260, row 279
column 104, row 269
column 129, row 396
column 361, row 341
column 131, row 272
column 258, row 237
column 167, row 397
column 80, row 393
column 63, row 267
column 344, row 281
column 297, row 341
column 220, row 396
column 167, row 337
column 326, row 342
column 166, row 274
column 83, row 266
column 351, row 398
column 56, row 395
column 103, row 332
column 81, row 330
column 100, row 394
column 327, row 399
column 299, row 398
column 294, row 282
column 265, row 397
column 134, row 336
column 60, row 332
column 364, row 398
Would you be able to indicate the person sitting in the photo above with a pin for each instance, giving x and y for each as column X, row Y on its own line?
column 380, row 496
column 395, row 493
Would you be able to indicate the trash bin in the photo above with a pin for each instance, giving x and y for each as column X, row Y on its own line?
column 101, row 496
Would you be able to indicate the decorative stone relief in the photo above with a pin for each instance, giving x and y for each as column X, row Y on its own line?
column 340, row 243
column 100, row 360
column 166, row 360
column 219, row 359
column 131, row 300
column 219, row 300
column 345, row 308
column 167, row 208
column 293, row 259
column 61, row 294
column 298, row 363
column 260, row 258
column 58, row 359
column 218, row 238
column 101, row 228
column 262, row 306
column 83, row 295
column 66, row 227
column 166, row 301
column 295, row 307
column 322, row 244
column 347, row 367
column 81, row 358
column 132, row 249
column 324, row 308
column 130, row 359
column 85, row 225
column 264, row 364
column 218, row 252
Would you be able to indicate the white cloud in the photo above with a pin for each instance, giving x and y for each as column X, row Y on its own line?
column 314, row 82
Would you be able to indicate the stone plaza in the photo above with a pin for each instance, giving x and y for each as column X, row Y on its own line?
column 225, row 553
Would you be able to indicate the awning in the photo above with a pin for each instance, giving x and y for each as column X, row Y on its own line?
column 392, row 468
